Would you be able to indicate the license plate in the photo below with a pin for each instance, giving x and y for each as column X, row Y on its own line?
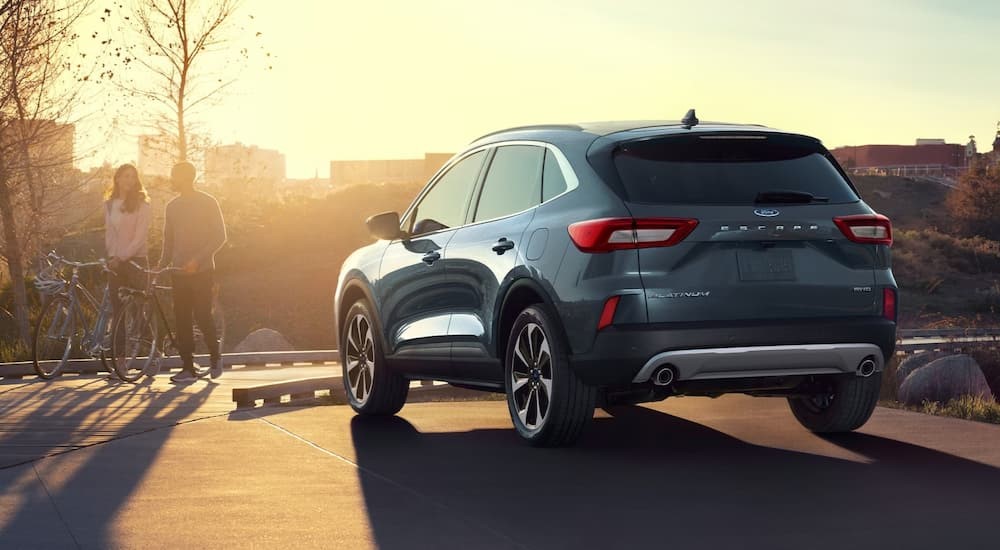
column 766, row 265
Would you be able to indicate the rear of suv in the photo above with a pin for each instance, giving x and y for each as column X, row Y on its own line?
column 583, row 265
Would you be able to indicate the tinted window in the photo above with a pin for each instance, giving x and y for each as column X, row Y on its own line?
column 553, row 182
column 444, row 205
column 728, row 170
column 513, row 183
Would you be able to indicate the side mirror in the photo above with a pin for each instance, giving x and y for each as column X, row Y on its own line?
column 384, row 225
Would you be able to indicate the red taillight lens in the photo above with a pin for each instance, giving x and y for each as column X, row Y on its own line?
column 607, row 234
column 866, row 228
column 889, row 304
column 608, row 314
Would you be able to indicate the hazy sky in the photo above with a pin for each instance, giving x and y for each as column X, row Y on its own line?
column 381, row 79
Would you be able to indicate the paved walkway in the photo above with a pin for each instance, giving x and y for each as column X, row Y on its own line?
column 179, row 469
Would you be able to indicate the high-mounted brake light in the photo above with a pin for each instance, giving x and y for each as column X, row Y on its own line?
column 607, row 234
column 866, row 228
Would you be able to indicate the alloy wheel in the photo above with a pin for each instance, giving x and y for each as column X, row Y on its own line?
column 360, row 359
column 531, row 376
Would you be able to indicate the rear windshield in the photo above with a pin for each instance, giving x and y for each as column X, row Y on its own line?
column 728, row 169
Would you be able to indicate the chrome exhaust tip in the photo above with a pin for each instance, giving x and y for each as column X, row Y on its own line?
column 866, row 368
column 664, row 376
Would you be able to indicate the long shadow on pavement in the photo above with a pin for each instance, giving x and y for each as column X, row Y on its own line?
column 90, row 488
column 644, row 478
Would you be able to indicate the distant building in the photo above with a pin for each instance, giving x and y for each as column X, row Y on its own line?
column 934, row 141
column 156, row 155
column 927, row 157
column 350, row 172
column 243, row 168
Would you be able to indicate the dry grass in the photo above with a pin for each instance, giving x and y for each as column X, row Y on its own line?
column 10, row 350
column 940, row 275
column 966, row 408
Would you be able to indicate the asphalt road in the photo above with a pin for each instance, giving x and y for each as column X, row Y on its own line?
column 178, row 468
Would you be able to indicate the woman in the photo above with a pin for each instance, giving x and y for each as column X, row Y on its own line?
column 127, row 216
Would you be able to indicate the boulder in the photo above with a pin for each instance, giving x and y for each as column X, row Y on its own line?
column 945, row 379
column 263, row 339
column 915, row 361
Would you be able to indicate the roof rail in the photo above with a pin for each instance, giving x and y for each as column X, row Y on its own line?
column 571, row 127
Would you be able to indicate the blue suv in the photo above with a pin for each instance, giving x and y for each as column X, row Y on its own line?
column 574, row 266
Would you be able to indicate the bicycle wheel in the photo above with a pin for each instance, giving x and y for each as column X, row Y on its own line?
column 53, row 339
column 133, row 340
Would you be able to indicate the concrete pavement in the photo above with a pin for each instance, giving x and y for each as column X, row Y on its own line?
column 735, row 472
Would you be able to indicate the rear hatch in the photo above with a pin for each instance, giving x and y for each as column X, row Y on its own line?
column 766, row 245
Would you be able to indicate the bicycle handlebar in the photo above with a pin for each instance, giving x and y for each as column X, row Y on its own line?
column 103, row 262
column 154, row 272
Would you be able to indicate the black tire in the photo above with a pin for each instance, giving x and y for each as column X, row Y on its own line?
column 563, row 405
column 133, row 340
column 372, row 388
column 52, row 344
column 845, row 407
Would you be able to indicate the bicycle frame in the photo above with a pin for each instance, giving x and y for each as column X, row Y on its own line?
column 166, row 339
column 169, row 336
column 93, row 340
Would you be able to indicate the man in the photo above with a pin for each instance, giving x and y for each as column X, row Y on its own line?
column 193, row 231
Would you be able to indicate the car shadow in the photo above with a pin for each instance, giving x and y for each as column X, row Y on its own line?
column 644, row 477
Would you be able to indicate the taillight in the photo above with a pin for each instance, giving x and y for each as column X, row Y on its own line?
column 607, row 234
column 889, row 304
column 866, row 228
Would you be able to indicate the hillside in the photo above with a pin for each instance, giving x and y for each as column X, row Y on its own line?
column 943, row 279
column 909, row 204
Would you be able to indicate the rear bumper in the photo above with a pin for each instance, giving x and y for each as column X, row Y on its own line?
column 753, row 361
column 623, row 355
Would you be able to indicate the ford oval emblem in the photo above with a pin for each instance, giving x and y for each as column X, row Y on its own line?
column 766, row 212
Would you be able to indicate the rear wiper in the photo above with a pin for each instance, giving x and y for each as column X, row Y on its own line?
column 788, row 197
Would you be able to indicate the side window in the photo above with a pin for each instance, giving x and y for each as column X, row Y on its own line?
column 513, row 183
column 444, row 205
column 553, row 181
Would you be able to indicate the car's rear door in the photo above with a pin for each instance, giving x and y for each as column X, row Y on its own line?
column 766, row 245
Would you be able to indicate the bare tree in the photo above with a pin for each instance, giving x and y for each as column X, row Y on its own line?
column 975, row 202
column 178, row 37
column 37, row 94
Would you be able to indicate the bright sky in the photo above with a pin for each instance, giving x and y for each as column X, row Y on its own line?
column 393, row 79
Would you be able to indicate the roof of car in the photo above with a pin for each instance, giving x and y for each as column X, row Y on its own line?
column 630, row 128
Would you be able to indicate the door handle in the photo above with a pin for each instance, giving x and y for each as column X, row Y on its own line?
column 431, row 257
column 503, row 245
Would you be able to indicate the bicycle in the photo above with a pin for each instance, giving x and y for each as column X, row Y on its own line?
column 142, row 334
column 62, row 324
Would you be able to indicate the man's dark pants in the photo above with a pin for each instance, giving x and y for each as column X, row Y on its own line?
column 193, row 302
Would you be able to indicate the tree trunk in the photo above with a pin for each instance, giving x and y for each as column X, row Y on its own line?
column 15, row 264
column 182, row 145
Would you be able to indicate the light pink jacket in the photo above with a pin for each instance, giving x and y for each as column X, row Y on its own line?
column 126, row 233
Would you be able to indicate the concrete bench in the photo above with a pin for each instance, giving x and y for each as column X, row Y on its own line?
column 272, row 392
